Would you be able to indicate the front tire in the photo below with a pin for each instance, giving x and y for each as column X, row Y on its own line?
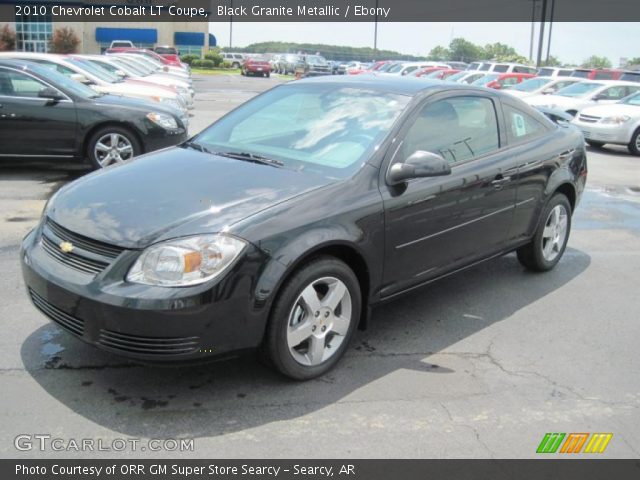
column 111, row 145
column 313, row 319
column 634, row 144
column 550, row 240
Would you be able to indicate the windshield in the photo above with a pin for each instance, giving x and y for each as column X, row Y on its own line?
column 532, row 84
column 316, row 60
column 485, row 79
column 578, row 89
column 457, row 76
column 166, row 51
column 138, row 62
column 315, row 127
column 131, row 68
column 396, row 68
column 632, row 100
column 63, row 82
column 434, row 74
column 95, row 70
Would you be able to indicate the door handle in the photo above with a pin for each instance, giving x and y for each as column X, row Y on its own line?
column 566, row 154
column 500, row 181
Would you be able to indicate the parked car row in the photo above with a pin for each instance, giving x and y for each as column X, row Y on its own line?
column 102, row 108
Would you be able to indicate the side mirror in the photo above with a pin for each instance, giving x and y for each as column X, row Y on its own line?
column 78, row 77
column 419, row 164
column 598, row 97
column 121, row 74
column 548, row 91
column 50, row 94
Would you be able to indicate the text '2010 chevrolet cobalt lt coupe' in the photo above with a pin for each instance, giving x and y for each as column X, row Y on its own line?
column 277, row 227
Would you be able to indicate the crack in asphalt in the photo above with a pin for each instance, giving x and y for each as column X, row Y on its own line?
column 474, row 430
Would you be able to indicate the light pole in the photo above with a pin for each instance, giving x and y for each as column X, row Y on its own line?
column 231, row 26
column 553, row 5
column 375, row 35
column 533, row 23
column 543, row 17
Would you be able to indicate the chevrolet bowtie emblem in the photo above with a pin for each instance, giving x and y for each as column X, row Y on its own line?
column 66, row 247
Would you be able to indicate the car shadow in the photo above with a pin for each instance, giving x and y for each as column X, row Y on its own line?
column 239, row 394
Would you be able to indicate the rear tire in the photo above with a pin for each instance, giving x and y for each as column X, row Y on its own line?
column 634, row 144
column 593, row 144
column 550, row 240
column 313, row 319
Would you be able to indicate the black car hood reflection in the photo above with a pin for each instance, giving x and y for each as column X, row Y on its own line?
column 173, row 193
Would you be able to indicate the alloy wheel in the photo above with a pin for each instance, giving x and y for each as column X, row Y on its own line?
column 319, row 321
column 112, row 148
column 555, row 233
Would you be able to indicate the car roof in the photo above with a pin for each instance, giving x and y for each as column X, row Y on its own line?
column 391, row 84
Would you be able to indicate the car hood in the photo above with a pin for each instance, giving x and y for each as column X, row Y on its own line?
column 556, row 101
column 611, row 110
column 172, row 193
column 139, row 104
column 138, row 89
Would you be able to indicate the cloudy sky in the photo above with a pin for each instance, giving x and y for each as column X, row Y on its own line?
column 571, row 42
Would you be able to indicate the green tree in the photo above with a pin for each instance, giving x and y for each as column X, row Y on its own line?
column 630, row 63
column 498, row 51
column 64, row 40
column 465, row 51
column 7, row 39
column 595, row 61
column 438, row 53
column 552, row 62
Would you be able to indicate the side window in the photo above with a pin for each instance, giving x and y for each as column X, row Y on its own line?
column 631, row 90
column 505, row 82
column 16, row 84
column 521, row 126
column 500, row 68
column 560, row 85
column 614, row 93
column 459, row 128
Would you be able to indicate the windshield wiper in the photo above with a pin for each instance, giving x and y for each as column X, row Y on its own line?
column 251, row 157
column 197, row 146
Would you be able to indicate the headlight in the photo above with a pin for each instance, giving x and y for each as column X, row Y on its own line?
column 185, row 261
column 616, row 120
column 163, row 119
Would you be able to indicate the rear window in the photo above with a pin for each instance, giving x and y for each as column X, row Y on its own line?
column 581, row 73
column 631, row 77
column 166, row 51
column 603, row 76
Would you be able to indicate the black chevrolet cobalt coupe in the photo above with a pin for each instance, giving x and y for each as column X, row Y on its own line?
column 278, row 227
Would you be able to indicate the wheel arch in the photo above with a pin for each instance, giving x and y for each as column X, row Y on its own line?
column 109, row 123
column 345, row 251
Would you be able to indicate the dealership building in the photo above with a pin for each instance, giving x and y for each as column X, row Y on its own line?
column 33, row 32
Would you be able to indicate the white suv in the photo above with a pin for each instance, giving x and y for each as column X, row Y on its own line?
column 235, row 59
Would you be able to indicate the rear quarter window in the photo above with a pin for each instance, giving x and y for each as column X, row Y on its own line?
column 521, row 127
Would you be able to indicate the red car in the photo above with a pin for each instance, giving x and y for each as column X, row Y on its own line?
column 598, row 73
column 441, row 74
column 149, row 53
column 502, row 80
column 256, row 66
column 170, row 53
column 425, row 71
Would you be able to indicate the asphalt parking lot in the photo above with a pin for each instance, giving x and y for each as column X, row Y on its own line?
column 481, row 364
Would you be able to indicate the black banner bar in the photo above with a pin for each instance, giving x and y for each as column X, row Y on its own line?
column 565, row 469
column 317, row 10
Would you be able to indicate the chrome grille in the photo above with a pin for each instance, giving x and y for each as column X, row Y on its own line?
column 66, row 321
column 588, row 118
column 88, row 256
column 148, row 345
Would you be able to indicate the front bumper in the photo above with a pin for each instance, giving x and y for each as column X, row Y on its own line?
column 618, row 134
column 151, row 324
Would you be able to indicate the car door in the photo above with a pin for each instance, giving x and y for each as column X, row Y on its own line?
column 434, row 225
column 536, row 154
column 31, row 125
